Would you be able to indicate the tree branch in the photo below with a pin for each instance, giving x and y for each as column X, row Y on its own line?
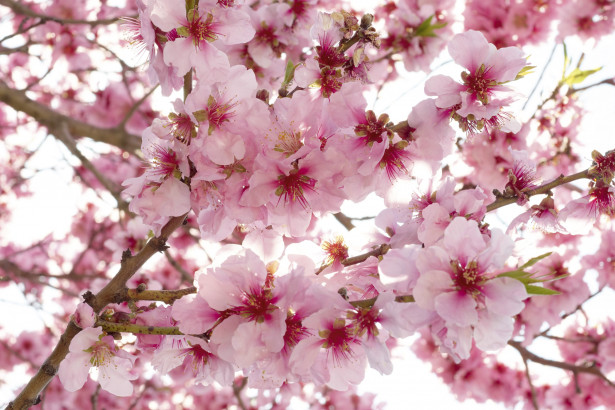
column 543, row 189
column 117, row 136
column 166, row 296
column 527, row 355
column 21, row 9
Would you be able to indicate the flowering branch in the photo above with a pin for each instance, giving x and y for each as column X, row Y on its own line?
column 543, row 189
column 29, row 396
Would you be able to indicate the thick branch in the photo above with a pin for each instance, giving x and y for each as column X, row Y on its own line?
column 18, row 100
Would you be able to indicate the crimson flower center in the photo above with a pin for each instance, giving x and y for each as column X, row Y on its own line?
column 293, row 187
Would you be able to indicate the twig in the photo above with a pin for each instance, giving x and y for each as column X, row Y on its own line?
column 529, row 380
column 344, row 220
column 166, row 296
column 527, row 355
column 543, row 189
column 542, row 73
column 237, row 392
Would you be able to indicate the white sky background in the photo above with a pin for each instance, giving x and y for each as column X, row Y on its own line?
column 412, row 384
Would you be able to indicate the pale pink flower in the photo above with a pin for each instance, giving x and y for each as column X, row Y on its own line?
column 194, row 42
column 89, row 349
column 477, row 101
column 458, row 282
column 197, row 357
column 84, row 316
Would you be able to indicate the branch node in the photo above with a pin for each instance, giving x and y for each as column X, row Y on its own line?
column 160, row 244
column 89, row 298
column 126, row 255
column 48, row 369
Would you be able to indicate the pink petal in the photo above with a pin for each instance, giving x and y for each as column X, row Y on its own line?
column 458, row 308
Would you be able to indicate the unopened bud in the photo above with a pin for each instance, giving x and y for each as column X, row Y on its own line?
column 366, row 21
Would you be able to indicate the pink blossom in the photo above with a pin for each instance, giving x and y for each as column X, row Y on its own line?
column 478, row 101
column 455, row 282
column 84, row 316
column 90, row 349
column 196, row 356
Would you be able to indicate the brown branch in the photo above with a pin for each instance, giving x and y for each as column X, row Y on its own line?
column 575, row 369
column 353, row 260
column 117, row 136
column 237, row 392
column 112, row 327
column 529, row 380
column 344, row 220
column 22, row 9
column 543, row 189
column 109, row 294
column 166, row 296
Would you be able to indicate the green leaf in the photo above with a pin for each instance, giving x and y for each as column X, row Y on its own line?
column 538, row 290
column 426, row 29
column 533, row 261
column 577, row 76
column 290, row 72
column 528, row 69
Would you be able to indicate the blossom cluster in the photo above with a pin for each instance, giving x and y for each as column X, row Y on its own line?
column 274, row 133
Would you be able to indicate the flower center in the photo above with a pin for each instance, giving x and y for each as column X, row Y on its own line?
column 373, row 129
column 257, row 305
column 338, row 341
column 201, row 30
column 292, row 187
column 101, row 354
column 478, row 84
column 295, row 331
column 182, row 127
column 336, row 251
column 163, row 161
column 393, row 160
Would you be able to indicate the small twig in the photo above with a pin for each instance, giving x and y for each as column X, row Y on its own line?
column 353, row 260
column 527, row 355
column 186, row 277
column 344, row 220
column 529, row 380
column 237, row 392
column 543, row 189
column 542, row 73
